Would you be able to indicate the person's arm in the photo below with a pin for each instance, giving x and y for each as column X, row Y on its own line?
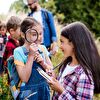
column 64, row 93
column 54, row 47
column 24, row 70
column 52, row 27
column 85, row 88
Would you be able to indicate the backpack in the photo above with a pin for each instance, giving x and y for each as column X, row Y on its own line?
column 14, row 80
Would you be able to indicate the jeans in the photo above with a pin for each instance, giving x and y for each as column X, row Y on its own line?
column 37, row 88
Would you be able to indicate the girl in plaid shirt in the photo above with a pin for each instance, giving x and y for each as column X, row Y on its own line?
column 79, row 76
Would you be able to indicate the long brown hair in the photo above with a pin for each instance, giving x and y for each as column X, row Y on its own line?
column 85, row 50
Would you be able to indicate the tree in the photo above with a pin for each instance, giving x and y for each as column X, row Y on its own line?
column 86, row 11
column 19, row 6
column 67, row 11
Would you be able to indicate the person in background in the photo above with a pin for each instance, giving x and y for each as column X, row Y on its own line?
column 46, row 19
column 13, row 27
column 79, row 76
column 3, row 40
column 28, row 58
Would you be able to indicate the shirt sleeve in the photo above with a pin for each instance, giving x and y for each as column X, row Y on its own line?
column 66, row 96
column 85, row 88
column 18, row 60
column 52, row 25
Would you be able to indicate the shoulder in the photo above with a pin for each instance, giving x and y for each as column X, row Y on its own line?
column 18, row 49
column 42, row 47
column 45, row 10
column 44, row 50
column 81, row 74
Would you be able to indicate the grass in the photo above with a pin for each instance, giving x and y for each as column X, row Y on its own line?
column 5, row 93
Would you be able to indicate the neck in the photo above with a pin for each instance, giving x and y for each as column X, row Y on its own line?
column 26, row 46
column 74, row 61
column 38, row 7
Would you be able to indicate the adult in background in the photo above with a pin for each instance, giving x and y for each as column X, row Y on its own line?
column 46, row 19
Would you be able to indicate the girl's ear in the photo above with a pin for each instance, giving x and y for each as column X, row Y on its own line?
column 71, row 44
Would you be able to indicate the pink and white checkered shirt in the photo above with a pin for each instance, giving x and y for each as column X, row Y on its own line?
column 77, row 85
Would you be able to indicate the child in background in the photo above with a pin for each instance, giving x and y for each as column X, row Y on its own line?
column 3, row 40
column 28, row 58
column 79, row 76
column 13, row 27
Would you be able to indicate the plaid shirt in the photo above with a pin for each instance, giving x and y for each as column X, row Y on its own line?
column 77, row 86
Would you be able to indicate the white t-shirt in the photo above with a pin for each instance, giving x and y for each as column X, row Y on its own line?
column 66, row 71
column 37, row 16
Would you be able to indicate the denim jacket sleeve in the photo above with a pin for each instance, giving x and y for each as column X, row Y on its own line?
column 52, row 26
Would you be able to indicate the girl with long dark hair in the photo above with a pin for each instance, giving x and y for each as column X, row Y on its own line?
column 79, row 76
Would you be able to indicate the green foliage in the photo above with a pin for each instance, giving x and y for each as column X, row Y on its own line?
column 19, row 6
column 5, row 93
column 50, row 5
column 86, row 11
column 67, row 11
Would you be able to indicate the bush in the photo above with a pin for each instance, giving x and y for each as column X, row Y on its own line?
column 5, row 93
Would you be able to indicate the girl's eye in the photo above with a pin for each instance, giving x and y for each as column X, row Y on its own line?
column 34, row 34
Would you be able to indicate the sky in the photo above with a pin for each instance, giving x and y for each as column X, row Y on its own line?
column 5, row 5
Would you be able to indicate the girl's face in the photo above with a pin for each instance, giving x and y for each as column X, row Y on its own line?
column 33, row 34
column 15, row 34
column 66, row 47
column 3, row 30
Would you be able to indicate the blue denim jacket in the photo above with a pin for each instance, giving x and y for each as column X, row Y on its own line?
column 48, row 37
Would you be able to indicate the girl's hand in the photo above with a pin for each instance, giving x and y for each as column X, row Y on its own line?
column 39, row 58
column 55, row 85
column 51, row 73
column 33, row 48
column 54, row 48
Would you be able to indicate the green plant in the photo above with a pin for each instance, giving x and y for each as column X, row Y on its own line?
column 5, row 93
